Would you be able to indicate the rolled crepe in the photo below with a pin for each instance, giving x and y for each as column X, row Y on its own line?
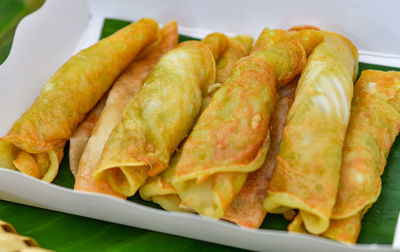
column 231, row 137
column 124, row 88
column 307, row 173
column 78, row 141
column 374, row 126
column 40, row 134
column 159, row 189
column 247, row 208
column 158, row 118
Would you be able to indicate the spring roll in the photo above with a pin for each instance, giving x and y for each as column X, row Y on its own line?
column 40, row 134
column 374, row 126
column 231, row 137
column 159, row 189
column 124, row 88
column 307, row 173
column 157, row 119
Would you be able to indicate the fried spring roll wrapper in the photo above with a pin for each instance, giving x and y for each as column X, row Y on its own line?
column 374, row 126
column 307, row 173
column 158, row 117
column 124, row 88
column 231, row 137
column 70, row 93
column 159, row 189
column 78, row 141
column 247, row 208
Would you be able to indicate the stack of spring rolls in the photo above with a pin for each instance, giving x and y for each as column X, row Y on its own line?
column 219, row 127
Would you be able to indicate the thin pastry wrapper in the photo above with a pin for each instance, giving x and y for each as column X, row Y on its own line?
column 159, row 189
column 343, row 230
column 72, row 92
column 238, row 48
column 78, row 141
column 307, row 173
column 374, row 126
column 124, row 88
column 217, row 43
column 218, row 151
column 158, row 118
column 247, row 208
column 231, row 137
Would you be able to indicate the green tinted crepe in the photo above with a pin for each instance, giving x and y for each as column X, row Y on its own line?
column 374, row 126
column 247, row 208
column 158, row 117
column 159, row 189
column 307, row 173
column 121, row 93
column 71, row 93
column 231, row 137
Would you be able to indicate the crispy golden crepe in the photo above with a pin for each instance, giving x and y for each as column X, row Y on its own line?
column 374, row 125
column 231, row 137
column 42, row 131
column 124, row 88
column 78, row 141
column 159, row 189
column 158, row 118
column 306, row 176
column 247, row 208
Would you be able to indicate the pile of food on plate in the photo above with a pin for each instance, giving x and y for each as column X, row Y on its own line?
column 222, row 127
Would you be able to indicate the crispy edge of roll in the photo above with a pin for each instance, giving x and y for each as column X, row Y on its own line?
column 332, row 104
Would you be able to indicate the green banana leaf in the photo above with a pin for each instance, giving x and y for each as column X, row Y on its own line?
column 64, row 232
column 12, row 11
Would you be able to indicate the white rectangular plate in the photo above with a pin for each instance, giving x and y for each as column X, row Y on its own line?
column 61, row 28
